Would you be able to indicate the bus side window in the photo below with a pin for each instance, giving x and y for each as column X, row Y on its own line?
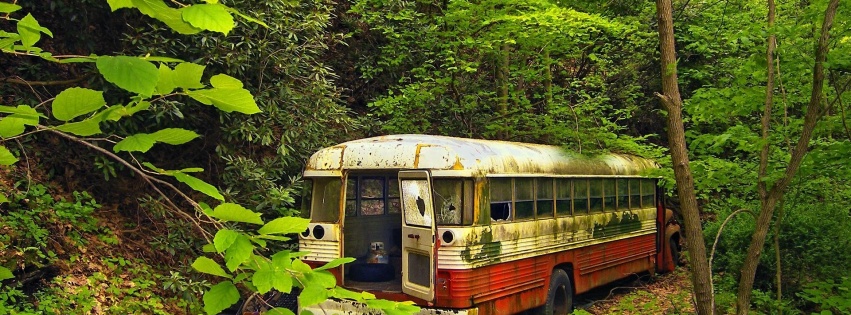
column 596, row 195
column 500, row 199
column 648, row 192
column 580, row 196
column 524, row 199
column 545, row 198
column 563, row 197
column 351, row 196
column 448, row 194
column 306, row 198
column 610, row 194
column 634, row 193
column 371, row 196
column 623, row 194
column 394, row 204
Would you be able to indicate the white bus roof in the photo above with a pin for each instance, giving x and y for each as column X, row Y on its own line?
column 450, row 156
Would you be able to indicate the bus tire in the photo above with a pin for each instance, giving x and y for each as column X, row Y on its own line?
column 559, row 295
column 675, row 250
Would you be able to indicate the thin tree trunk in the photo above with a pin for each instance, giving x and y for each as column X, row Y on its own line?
column 778, row 275
column 672, row 103
column 769, row 202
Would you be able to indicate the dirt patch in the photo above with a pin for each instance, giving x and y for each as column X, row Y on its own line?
column 661, row 294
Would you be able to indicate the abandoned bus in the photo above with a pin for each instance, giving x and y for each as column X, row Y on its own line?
column 465, row 226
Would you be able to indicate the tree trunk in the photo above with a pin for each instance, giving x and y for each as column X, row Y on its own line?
column 770, row 198
column 672, row 103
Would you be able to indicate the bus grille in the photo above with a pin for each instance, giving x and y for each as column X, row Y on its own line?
column 319, row 250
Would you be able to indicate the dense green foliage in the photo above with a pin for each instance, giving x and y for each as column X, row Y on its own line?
column 576, row 73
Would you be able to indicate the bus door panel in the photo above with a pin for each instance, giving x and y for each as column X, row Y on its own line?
column 418, row 230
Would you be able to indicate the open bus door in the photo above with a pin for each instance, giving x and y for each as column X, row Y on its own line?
column 418, row 234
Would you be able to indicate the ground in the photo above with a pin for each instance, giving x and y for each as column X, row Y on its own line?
column 661, row 294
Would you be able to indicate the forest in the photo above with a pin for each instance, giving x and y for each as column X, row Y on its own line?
column 151, row 151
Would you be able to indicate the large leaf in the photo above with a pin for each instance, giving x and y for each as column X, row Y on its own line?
column 187, row 75
column 174, row 19
column 335, row 263
column 211, row 17
column 74, row 102
column 209, row 266
column 5, row 273
column 16, row 123
column 174, row 136
column 83, row 128
column 8, row 8
column 165, row 81
column 141, row 142
column 220, row 297
column 231, row 212
column 129, row 73
column 228, row 100
column 238, row 252
column 118, row 4
column 150, row 7
column 312, row 295
column 6, row 157
column 269, row 276
column 224, row 239
column 199, row 185
column 30, row 31
column 224, row 81
column 284, row 225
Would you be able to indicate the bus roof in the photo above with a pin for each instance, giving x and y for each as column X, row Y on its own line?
column 450, row 156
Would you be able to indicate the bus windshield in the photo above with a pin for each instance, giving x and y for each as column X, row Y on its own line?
column 325, row 200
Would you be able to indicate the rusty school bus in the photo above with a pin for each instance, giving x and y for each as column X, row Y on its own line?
column 465, row 226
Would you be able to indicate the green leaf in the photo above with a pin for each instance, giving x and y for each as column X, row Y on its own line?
column 224, row 81
column 174, row 19
column 228, row 100
column 269, row 276
column 335, row 263
column 220, row 297
column 211, row 17
column 6, row 157
column 231, row 212
column 82, row 128
column 165, row 82
column 118, row 4
column 224, row 238
column 209, row 248
column 209, row 266
column 174, row 136
column 150, row 7
column 141, row 142
column 187, row 75
column 30, row 31
column 284, row 225
column 238, row 252
column 279, row 311
column 312, row 295
column 76, row 101
column 321, row 278
column 199, row 185
column 8, row 8
column 16, row 123
column 5, row 273
column 8, row 43
column 129, row 73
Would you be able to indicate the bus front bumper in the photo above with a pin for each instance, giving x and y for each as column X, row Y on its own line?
column 335, row 307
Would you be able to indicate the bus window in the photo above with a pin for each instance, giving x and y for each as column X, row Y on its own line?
column 524, row 199
column 610, row 195
column 648, row 192
column 623, row 194
column 580, row 196
column 416, row 206
column 448, row 197
column 325, row 203
column 545, row 198
column 595, row 192
column 372, row 196
column 563, row 197
column 500, row 199
column 351, row 196
column 393, row 203
column 634, row 193
column 306, row 197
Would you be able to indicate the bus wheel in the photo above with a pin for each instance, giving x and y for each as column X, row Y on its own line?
column 559, row 296
column 675, row 250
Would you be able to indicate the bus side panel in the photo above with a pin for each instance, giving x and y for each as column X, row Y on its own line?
column 601, row 264
column 503, row 288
